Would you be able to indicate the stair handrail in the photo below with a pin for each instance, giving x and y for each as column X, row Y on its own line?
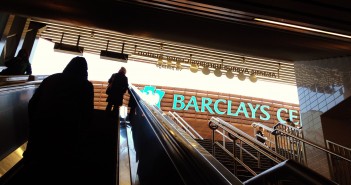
column 232, row 129
column 257, row 124
column 332, row 155
column 313, row 144
column 241, row 136
column 345, row 150
column 185, row 125
column 286, row 145
column 284, row 134
column 339, row 168
column 289, row 172
column 284, row 126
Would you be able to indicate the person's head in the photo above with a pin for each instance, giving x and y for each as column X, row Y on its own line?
column 289, row 122
column 77, row 67
column 122, row 70
column 260, row 129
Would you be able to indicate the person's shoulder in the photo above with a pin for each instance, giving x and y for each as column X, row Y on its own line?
column 89, row 83
column 114, row 75
column 53, row 76
column 49, row 79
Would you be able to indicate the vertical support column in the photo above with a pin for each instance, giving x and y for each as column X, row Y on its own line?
column 17, row 32
column 31, row 38
column 3, row 33
column 12, row 35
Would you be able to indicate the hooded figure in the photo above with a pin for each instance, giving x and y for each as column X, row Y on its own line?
column 60, row 112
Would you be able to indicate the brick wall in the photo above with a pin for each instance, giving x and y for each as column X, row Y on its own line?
column 199, row 120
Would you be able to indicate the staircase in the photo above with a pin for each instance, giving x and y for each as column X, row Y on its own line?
column 228, row 161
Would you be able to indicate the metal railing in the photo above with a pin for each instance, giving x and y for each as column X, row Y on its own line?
column 287, row 143
column 230, row 133
column 340, row 169
column 290, row 143
column 184, row 125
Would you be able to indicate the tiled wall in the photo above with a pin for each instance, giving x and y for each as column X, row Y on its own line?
column 322, row 84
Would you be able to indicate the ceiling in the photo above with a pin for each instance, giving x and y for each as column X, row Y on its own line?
column 224, row 25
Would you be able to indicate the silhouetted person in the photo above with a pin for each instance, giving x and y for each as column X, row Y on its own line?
column 260, row 136
column 118, row 86
column 60, row 112
column 290, row 123
column 18, row 65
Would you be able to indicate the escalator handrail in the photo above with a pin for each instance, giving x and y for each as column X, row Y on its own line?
column 291, row 169
column 192, row 168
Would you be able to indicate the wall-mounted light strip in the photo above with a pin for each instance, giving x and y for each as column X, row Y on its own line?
column 303, row 28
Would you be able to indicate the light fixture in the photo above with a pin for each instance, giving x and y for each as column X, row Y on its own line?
column 302, row 28
column 179, row 66
column 159, row 62
column 115, row 56
column 70, row 49
column 169, row 63
column 241, row 76
column 194, row 68
column 217, row 72
column 206, row 70
column 253, row 78
column 229, row 74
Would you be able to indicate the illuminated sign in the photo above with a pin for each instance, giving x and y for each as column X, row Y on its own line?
column 207, row 104
column 154, row 97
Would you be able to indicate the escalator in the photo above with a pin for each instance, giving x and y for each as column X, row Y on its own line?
column 167, row 157
column 164, row 154
column 163, row 158
column 186, row 152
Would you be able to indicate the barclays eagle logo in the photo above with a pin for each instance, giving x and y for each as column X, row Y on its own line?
column 154, row 96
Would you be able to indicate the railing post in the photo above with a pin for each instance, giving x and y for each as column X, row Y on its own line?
column 331, row 169
column 213, row 127
column 234, row 153
column 276, row 142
